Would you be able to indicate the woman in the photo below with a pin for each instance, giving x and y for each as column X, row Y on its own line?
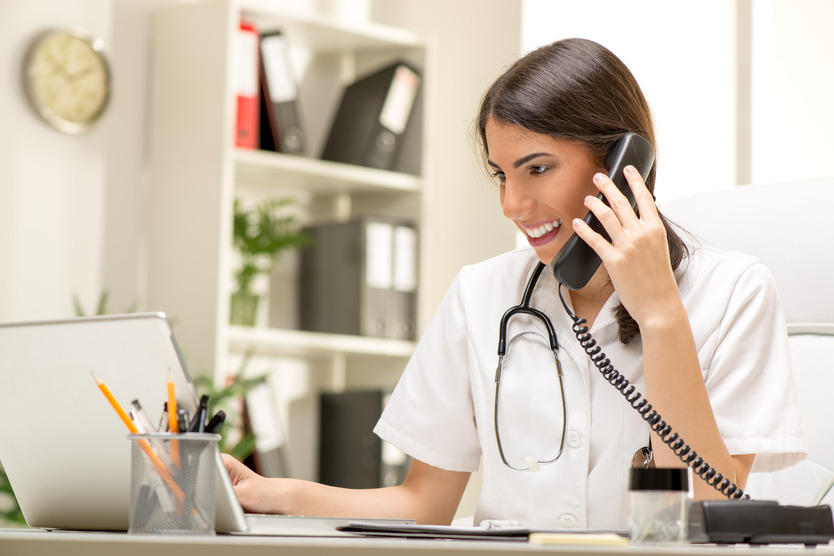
column 700, row 332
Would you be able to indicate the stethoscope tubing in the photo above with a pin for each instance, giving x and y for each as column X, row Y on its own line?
column 503, row 346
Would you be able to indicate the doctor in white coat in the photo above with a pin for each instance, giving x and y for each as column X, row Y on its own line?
column 698, row 331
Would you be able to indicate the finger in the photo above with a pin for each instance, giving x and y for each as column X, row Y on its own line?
column 618, row 202
column 596, row 242
column 606, row 216
column 643, row 197
column 234, row 467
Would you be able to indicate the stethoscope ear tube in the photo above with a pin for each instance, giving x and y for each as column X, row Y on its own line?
column 525, row 308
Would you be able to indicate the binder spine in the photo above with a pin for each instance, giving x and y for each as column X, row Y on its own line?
column 384, row 141
column 372, row 117
column 281, row 95
column 402, row 321
column 377, row 282
column 246, row 86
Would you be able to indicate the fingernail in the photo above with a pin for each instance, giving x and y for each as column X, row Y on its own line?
column 630, row 169
column 578, row 222
column 599, row 177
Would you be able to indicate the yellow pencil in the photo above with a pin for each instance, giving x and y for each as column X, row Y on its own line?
column 173, row 426
column 157, row 463
column 172, row 404
column 110, row 398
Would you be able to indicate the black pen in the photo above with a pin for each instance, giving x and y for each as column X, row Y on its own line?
column 216, row 423
column 198, row 423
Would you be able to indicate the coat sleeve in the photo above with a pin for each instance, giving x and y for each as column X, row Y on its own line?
column 749, row 375
column 430, row 414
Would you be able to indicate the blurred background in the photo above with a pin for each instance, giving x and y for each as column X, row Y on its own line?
column 741, row 92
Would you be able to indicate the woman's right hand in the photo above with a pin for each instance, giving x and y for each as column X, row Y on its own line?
column 256, row 494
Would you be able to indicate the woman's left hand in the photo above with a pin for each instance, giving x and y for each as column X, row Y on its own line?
column 637, row 257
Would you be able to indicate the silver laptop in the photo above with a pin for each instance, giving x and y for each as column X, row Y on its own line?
column 63, row 447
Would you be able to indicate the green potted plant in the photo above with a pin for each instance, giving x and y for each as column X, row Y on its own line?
column 236, row 438
column 261, row 234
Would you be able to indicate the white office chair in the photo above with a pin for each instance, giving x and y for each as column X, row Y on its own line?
column 790, row 227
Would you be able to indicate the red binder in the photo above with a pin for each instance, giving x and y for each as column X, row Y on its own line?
column 246, row 86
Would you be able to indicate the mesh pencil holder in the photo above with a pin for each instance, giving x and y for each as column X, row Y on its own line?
column 172, row 483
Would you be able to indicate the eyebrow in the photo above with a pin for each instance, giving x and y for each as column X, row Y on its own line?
column 521, row 160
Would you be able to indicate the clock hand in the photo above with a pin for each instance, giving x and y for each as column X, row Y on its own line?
column 57, row 66
column 81, row 73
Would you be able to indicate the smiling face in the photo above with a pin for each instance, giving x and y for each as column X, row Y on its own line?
column 543, row 182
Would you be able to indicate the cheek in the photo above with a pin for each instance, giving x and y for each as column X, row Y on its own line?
column 569, row 204
column 577, row 199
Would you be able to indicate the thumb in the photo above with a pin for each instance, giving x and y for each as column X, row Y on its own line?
column 237, row 470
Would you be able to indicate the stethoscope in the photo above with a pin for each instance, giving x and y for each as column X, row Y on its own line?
column 503, row 345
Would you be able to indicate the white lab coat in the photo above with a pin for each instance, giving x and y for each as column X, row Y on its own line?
column 442, row 409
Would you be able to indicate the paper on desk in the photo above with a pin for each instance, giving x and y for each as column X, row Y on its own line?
column 578, row 538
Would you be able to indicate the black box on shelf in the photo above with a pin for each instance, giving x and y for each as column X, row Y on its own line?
column 360, row 277
column 350, row 454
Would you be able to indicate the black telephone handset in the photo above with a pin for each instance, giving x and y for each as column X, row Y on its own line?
column 576, row 262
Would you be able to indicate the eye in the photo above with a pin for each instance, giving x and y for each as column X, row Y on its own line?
column 499, row 175
column 538, row 169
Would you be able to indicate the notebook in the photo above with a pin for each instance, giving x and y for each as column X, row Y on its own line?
column 64, row 448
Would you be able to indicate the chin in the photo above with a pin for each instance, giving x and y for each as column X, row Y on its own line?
column 546, row 256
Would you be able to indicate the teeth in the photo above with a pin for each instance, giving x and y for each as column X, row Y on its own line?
column 543, row 229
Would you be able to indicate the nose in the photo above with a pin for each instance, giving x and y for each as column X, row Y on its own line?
column 516, row 200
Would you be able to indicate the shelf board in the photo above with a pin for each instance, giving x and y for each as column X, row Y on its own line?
column 266, row 169
column 327, row 33
column 300, row 343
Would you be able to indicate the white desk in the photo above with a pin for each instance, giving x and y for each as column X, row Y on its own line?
column 46, row 543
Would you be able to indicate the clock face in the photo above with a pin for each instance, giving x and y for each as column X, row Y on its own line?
column 67, row 80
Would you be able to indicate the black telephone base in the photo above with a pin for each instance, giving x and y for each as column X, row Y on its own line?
column 759, row 522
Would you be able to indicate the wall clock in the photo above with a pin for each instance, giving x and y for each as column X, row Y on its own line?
column 66, row 78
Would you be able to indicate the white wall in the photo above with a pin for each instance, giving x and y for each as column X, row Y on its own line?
column 72, row 208
column 51, row 185
column 682, row 55
column 793, row 88
column 740, row 89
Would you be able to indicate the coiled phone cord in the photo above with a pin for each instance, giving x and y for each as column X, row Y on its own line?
column 681, row 449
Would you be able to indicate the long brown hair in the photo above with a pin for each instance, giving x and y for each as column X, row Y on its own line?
column 577, row 89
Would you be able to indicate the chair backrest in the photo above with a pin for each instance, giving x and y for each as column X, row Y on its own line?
column 790, row 227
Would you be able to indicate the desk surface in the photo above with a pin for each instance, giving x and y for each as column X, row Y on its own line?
column 44, row 543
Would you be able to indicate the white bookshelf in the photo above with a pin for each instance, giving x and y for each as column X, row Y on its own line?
column 300, row 343
column 197, row 172
column 262, row 170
